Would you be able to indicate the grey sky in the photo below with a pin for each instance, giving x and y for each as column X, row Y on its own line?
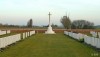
column 20, row 11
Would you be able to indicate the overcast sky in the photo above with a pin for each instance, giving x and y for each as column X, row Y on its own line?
column 18, row 12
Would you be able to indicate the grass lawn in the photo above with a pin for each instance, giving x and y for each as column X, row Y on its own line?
column 41, row 45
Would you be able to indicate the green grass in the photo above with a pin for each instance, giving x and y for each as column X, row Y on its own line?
column 41, row 45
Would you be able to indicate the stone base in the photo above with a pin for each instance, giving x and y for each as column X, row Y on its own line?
column 50, row 31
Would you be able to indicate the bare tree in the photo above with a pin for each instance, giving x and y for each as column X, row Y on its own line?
column 30, row 23
column 82, row 24
column 66, row 22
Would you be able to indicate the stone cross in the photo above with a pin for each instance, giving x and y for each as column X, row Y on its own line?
column 49, row 19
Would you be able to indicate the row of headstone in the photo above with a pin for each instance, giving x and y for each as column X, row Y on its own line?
column 32, row 32
column 5, row 41
column 78, row 36
column 99, row 34
column 93, row 41
column 27, row 34
column 8, row 31
column 94, row 34
column 4, row 32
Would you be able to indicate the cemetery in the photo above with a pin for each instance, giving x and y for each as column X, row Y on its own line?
column 49, row 42
column 53, row 45
column 49, row 28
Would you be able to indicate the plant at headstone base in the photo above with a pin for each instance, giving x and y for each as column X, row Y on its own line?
column 81, row 40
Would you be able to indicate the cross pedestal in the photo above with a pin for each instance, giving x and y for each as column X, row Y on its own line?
column 49, row 30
